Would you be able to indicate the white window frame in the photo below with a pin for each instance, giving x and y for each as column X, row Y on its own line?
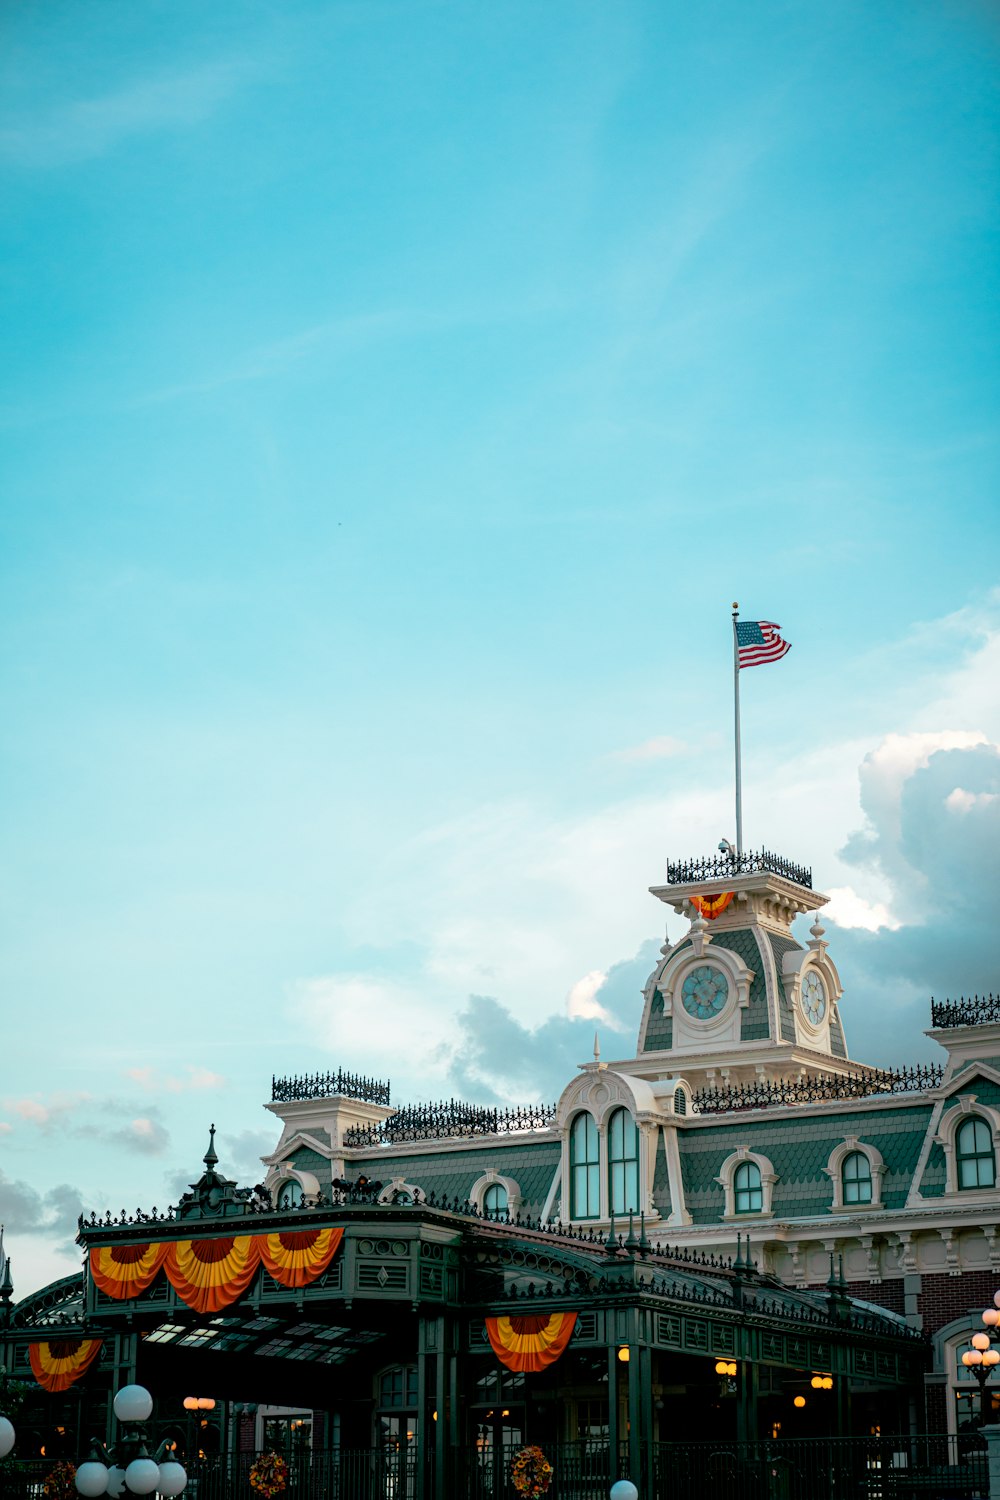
column 726, row 1180
column 834, row 1170
column 967, row 1106
column 400, row 1185
column 492, row 1178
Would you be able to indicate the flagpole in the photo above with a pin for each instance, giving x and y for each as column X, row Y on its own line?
column 736, row 702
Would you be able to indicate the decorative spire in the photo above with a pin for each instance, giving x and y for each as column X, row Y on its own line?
column 597, row 1048
column 211, row 1157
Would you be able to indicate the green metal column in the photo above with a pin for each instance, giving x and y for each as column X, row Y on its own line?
column 646, row 1403
column 612, row 1394
column 635, row 1412
column 443, row 1340
column 746, row 1409
column 423, row 1438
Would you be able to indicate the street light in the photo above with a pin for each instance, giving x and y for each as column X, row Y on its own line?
column 981, row 1359
column 132, row 1466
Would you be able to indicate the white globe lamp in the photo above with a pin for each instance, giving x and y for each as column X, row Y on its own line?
column 142, row 1476
column 116, row 1481
column 173, row 1478
column 91, row 1479
column 133, row 1403
column 624, row 1490
column 6, row 1436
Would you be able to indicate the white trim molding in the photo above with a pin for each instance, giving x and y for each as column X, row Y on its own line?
column 399, row 1185
column 492, row 1178
column 834, row 1169
column 768, row 1177
column 968, row 1106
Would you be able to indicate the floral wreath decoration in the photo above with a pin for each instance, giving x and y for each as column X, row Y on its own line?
column 59, row 1484
column 269, row 1475
column 531, row 1472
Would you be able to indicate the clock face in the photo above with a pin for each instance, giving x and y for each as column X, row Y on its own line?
column 704, row 992
column 814, row 997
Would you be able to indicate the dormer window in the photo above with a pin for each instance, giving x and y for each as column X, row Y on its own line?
column 856, row 1178
column 290, row 1193
column 748, row 1189
column 974, row 1155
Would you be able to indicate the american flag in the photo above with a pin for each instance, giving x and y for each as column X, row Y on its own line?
column 758, row 641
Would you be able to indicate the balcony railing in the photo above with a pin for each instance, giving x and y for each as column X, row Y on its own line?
column 449, row 1118
column 329, row 1086
column 815, row 1090
column 979, row 1011
column 724, row 866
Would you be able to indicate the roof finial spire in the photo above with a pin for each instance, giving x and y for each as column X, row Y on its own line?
column 597, row 1048
column 211, row 1158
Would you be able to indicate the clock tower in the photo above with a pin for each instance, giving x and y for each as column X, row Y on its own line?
column 738, row 1000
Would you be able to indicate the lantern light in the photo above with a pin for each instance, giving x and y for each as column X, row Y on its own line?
column 972, row 1357
column 828, row 1382
column 799, row 1401
column 996, row 1299
column 190, row 1403
column 980, row 1341
column 133, row 1403
column 623, row 1354
column 817, row 1382
column 7, row 1436
column 207, row 1403
column 173, row 1478
column 142, row 1476
column 991, row 1357
column 991, row 1317
column 624, row 1490
column 91, row 1479
column 116, row 1481
column 722, row 1367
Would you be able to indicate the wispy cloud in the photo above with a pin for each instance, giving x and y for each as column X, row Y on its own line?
column 198, row 1078
column 661, row 747
column 88, row 128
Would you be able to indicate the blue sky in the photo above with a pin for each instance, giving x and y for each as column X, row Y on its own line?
column 395, row 397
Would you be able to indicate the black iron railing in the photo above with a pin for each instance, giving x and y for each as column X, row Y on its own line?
column 329, row 1086
column 448, row 1118
column 820, row 1468
column 814, row 1090
column 723, row 866
column 978, row 1011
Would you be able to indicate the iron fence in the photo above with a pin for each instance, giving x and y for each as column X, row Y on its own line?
column 329, row 1086
column 980, row 1010
column 815, row 1089
column 935, row 1467
column 750, row 862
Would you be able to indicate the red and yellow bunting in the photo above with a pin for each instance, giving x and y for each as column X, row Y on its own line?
column 58, row 1363
column 530, row 1343
column 124, row 1271
column 212, row 1274
column 712, row 906
column 294, row 1257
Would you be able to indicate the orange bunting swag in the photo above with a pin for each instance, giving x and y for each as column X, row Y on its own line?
column 58, row 1363
column 124, row 1271
column 212, row 1274
column 712, row 906
column 530, row 1343
column 296, row 1257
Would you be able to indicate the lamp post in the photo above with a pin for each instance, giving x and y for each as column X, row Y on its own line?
column 981, row 1359
column 131, row 1470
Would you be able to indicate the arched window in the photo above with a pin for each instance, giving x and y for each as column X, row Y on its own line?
column 680, row 1102
column 584, row 1168
column 976, row 1162
column 856, row 1178
column 748, row 1190
column 290, row 1194
column 623, row 1163
column 495, row 1201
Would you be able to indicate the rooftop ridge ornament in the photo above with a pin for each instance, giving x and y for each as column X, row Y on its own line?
column 329, row 1086
column 980, row 1010
column 815, row 1089
column 449, row 1118
column 724, row 866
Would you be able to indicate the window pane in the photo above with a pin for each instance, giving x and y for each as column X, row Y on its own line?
column 584, row 1157
column 748, row 1191
column 623, row 1163
column 856, row 1176
column 976, row 1161
column 495, row 1199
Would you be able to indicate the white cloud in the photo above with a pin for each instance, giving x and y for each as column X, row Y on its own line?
column 153, row 1082
column 368, row 1024
column 86, row 128
column 661, row 747
column 582, row 1003
column 960, row 801
column 848, row 909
